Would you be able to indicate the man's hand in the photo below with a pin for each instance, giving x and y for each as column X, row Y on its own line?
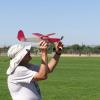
column 43, row 45
column 58, row 48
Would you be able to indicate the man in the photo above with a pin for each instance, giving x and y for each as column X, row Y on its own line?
column 23, row 76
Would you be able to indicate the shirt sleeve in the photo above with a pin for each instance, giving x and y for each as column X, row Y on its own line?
column 23, row 75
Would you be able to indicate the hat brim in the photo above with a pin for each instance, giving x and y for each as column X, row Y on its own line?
column 17, row 59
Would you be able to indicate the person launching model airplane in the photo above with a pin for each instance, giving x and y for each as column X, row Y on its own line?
column 23, row 76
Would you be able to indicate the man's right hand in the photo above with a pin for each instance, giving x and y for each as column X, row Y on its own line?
column 43, row 45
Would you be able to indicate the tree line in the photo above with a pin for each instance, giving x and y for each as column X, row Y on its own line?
column 72, row 49
column 81, row 49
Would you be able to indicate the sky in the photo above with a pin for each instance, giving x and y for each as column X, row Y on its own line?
column 77, row 20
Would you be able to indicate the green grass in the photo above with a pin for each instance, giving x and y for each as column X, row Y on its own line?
column 75, row 78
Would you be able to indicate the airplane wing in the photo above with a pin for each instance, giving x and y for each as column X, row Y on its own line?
column 37, row 34
column 50, row 34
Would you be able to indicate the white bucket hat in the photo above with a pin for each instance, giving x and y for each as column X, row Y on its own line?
column 16, row 53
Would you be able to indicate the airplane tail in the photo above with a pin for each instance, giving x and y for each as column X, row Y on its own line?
column 21, row 36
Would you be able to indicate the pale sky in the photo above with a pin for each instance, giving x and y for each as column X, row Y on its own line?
column 77, row 20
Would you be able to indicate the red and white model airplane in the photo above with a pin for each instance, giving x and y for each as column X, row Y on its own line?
column 37, row 37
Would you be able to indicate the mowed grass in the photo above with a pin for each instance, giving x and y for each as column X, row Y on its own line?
column 75, row 78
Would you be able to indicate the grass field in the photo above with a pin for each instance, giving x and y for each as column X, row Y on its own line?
column 75, row 78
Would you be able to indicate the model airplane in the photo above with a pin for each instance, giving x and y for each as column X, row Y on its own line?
column 37, row 37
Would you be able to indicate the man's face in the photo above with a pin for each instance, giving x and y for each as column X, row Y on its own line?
column 27, row 58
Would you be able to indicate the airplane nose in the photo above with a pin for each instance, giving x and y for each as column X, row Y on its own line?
column 62, row 37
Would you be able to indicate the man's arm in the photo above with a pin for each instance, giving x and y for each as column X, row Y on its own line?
column 55, row 59
column 46, row 68
column 42, row 74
